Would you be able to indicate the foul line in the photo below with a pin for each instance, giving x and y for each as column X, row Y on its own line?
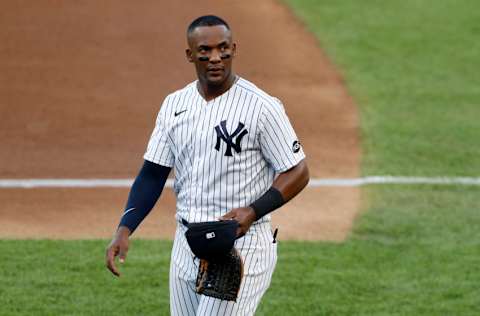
column 314, row 183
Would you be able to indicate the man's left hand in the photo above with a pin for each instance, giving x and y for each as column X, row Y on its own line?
column 245, row 216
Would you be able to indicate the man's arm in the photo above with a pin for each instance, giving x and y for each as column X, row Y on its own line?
column 143, row 195
column 286, row 186
column 291, row 182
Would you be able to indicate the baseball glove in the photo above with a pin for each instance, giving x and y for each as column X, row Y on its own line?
column 221, row 277
column 220, row 270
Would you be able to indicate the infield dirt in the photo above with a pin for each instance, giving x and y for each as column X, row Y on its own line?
column 81, row 83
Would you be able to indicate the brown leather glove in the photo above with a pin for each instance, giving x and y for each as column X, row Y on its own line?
column 221, row 277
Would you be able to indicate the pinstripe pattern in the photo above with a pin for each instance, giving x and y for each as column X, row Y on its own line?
column 209, row 182
column 259, row 255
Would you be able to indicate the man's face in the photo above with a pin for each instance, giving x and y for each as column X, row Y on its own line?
column 211, row 50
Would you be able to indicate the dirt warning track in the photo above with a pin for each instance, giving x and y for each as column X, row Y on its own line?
column 81, row 83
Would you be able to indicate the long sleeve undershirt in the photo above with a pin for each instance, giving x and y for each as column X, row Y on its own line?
column 144, row 194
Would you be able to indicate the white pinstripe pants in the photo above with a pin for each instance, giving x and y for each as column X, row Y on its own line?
column 259, row 256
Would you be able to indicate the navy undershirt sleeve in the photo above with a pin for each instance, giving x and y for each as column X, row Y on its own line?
column 144, row 194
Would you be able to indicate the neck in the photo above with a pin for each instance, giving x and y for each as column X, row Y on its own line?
column 210, row 92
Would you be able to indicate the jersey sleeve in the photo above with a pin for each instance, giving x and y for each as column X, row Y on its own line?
column 158, row 149
column 278, row 142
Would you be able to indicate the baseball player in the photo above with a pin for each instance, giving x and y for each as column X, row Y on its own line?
column 236, row 158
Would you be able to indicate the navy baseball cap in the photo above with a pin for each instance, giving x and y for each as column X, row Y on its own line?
column 208, row 240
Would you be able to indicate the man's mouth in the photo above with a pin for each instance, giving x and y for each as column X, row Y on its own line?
column 215, row 69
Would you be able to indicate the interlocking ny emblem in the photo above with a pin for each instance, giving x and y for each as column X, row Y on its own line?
column 223, row 134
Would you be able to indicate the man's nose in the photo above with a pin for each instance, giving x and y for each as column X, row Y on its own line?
column 215, row 56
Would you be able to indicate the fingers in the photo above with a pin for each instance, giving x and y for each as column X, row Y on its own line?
column 122, row 254
column 110, row 260
column 234, row 215
column 240, row 232
column 228, row 216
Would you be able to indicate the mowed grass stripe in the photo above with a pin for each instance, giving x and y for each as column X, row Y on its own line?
column 406, row 257
column 413, row 68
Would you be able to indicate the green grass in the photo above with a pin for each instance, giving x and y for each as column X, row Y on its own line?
column 49, row 277
column 413, row 67
column 411, row 254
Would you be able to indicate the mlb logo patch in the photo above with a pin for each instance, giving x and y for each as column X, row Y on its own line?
column 210, row 235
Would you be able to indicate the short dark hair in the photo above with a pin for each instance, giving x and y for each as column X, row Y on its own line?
column 206, row 20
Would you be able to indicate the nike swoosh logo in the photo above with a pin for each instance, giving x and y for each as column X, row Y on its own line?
column 178, row 113
column 128, row 211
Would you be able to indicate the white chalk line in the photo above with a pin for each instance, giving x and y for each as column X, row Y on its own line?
column 314, row 183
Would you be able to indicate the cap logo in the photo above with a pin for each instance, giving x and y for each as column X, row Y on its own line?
column 296, row 146
column 210, row 235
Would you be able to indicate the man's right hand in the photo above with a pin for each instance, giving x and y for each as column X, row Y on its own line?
column 118, row 247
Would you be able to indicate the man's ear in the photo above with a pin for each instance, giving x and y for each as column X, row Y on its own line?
column 234, row 49
column 188, row 53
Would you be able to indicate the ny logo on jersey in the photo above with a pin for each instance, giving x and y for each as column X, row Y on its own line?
column 223, row 134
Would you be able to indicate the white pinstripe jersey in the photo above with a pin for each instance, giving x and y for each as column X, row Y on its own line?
column 226, row 151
